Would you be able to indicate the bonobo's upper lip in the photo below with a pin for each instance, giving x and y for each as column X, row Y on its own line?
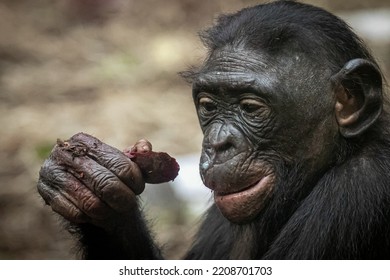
column 223, row 181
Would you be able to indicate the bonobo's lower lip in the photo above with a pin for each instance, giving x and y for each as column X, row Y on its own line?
column 237, row 190
column 244, row 205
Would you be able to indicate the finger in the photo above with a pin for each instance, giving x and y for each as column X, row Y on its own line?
column 141, row 146
column 111, row 158
column 73, row 190
column 60, row 204
column 101, row 181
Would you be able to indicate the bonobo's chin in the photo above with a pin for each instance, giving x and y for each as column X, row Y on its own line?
column 242, row 206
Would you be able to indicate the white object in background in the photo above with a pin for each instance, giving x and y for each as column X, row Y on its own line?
column 188, row 185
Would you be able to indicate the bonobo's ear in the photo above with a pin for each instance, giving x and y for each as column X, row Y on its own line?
column 358, row 90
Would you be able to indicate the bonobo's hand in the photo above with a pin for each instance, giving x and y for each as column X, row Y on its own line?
column 87, row 181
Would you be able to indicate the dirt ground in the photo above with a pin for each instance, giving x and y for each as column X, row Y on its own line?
column 108, row 68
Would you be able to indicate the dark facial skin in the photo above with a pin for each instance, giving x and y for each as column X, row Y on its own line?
column 249, row 111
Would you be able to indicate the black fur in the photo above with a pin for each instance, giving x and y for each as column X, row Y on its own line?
column 131, row 241
column 345, row 214
column 342, row 213
column 282, row 24
column 286, row 24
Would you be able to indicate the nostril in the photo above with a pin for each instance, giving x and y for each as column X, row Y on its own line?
column 221, row 138
column 222, row 151
column 222, row 146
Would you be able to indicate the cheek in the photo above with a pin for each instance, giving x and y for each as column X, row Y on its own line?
column 311, row 143
column 322, row 145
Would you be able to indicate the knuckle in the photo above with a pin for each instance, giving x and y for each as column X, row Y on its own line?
column 122, row 167
column 130, row 174
column 119, row 197
column 102, row 180
column 76, row 216
column 85, row 139
column 80, row 136
column 67, row 210
column 52, row 174
column 90, row 203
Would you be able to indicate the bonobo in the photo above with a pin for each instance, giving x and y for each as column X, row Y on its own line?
column 296, row 149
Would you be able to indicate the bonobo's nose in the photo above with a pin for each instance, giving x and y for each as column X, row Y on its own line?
column 222, row 147
column 223, row 142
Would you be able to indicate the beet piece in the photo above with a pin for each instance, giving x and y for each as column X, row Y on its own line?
column 156, row 167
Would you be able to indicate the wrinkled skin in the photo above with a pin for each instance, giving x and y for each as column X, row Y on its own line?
column 246, row 137
column 99, row 188
column 95, row 186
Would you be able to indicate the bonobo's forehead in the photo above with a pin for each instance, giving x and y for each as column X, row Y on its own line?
column 238, row 69
column 237, row 60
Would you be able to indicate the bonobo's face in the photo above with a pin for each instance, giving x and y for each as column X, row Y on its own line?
column 256, row 112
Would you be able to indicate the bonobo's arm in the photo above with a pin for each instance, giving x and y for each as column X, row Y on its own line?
column 94, row 187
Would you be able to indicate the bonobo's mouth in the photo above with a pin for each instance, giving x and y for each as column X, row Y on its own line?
column 240, row 194
column 243, row 205
column 239, row 189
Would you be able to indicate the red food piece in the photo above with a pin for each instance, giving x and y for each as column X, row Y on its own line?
column 156, row 167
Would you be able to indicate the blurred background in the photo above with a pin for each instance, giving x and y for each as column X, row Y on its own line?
column 109, row 68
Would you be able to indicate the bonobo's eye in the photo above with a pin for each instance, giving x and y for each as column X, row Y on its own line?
column 207, row 106
column 252, row 107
